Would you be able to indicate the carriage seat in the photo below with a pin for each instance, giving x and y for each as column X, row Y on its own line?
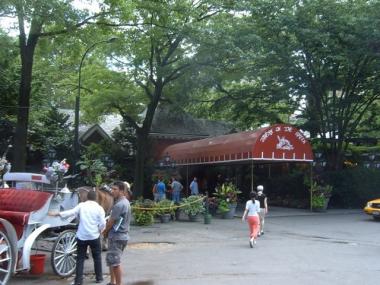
column 16, row 206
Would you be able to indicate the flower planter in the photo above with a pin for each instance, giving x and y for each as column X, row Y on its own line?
column 165, row 218
column 207, row 218
column 193, row 218
column 212, row 211
column 230, row 214
column 321, row 208
column 177, row 214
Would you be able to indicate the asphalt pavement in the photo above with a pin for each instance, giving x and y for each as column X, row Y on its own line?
column 298, row 247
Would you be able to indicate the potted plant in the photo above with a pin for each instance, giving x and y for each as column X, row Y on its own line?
column 143, row 212
column 192, row 206
column 227, row 196
column 320, row 197
column 165, row 209
column 212, row 205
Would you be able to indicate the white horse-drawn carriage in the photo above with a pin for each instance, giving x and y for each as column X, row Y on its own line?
column 24, row 220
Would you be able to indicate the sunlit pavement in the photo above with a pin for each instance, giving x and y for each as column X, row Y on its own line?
column 299, row 247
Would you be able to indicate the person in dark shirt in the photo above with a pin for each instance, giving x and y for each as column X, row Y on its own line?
column 263, row 207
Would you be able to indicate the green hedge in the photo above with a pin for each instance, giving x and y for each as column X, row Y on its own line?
column 353, row 187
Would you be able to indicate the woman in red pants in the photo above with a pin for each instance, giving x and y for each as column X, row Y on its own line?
column 251, row 213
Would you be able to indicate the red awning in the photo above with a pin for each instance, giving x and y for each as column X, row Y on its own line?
column 273, row 143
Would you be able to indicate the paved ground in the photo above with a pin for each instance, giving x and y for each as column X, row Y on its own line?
column 299, row 247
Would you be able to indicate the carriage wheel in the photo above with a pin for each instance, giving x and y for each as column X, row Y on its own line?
column 6, row 262
column 64, row 253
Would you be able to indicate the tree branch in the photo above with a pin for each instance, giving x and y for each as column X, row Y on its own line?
column 76, row 26
column 127, row 118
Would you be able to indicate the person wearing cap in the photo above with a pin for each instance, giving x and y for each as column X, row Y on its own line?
column 128, row 192
column 117, row 231
column 263, row 207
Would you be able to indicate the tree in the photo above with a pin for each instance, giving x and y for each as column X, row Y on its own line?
column 160, row 47
column 327, row 58
column 237, row 80
column 9, row 71
column 44, row 19
column 52, row 131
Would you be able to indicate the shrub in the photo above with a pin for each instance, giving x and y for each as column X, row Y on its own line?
column 165, row 206
column 143, row 212
column 227, row 192
column 192, row 205
column 223, row 207
column 353, row 187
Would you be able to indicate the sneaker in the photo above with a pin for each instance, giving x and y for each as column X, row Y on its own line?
column 251, row 241
column 99, row 281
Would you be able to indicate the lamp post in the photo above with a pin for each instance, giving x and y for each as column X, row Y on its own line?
column 77, row 101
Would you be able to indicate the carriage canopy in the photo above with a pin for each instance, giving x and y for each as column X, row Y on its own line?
column 26, row 177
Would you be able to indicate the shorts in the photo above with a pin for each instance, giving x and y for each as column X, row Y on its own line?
column 115, row 250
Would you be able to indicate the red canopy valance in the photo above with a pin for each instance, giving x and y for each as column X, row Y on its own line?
column 274, row 143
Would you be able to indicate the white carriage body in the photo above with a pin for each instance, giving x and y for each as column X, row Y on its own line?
column 36, row 220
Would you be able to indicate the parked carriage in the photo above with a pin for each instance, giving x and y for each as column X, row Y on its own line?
column 24, row 220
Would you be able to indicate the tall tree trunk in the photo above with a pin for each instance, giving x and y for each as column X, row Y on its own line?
column 141, row 140
column 20, row 139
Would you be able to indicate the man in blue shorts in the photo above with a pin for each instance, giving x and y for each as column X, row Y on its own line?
column 117, row 230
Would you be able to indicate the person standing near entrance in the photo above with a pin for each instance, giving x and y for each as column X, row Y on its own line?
column 161, row 190
column 263, row 207
column 251, row 213
column 176, row 190
column 194, row 187
column 91, row 223
column 117, row 231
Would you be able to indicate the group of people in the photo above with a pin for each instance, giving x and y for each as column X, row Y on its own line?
column 160, row 190
column 255, row 210
column 92, row 224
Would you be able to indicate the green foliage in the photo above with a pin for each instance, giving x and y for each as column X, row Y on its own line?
column 223, row 206
column 142, row 213
column 93, row 169
column 318, row 202
column 353, row 187
column 228, row 192
column 334, row 74
column 51, row 130
column 320, row 194
column 9, row 73
column 192, row 205
column 165, row 206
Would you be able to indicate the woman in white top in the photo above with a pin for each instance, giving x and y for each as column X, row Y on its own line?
column 251, row 213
